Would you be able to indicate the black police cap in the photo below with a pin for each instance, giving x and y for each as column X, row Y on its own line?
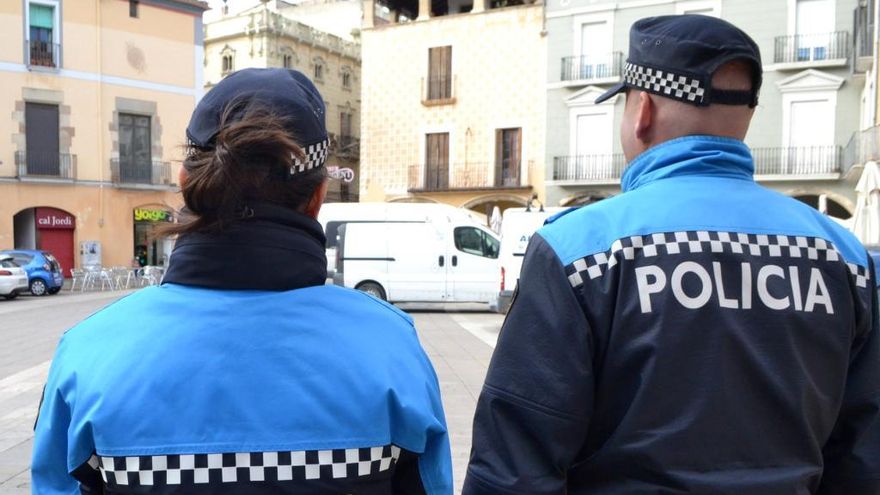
column 675, row 56
column 287, row 93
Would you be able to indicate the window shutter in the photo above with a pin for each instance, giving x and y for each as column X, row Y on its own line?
column 42, row 16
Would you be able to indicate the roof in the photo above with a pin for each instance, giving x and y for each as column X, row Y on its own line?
column 194, row 6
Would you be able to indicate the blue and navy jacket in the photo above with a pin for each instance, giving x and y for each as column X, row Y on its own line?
column 696, row 334
column 243, row 374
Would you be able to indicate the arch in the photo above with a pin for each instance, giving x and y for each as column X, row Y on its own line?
column 584, row 198
column 411, row 199
column 835, row 207
column 48, row 228
column 496, row 199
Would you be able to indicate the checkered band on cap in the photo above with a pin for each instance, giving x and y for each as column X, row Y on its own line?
column 316, row 155
column 245, row 467
column 680, row 87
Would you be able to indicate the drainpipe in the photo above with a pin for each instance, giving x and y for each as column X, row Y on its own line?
column 101, row 157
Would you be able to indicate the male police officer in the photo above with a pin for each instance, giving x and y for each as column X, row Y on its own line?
column 697, row 333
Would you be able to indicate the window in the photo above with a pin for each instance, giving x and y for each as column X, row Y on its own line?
column 814, row 24
column 227, row 64
column 42, row 137
column 42, row 41
column 595, row 61
column 345, row 124
column 508, row 157
column 135, row 149
column 437, row 161
column 287, row 61
column 319, row 70
column 346, row 80
column 8, row 263
column 440, row 73
column 22, row 259
column 133, row 8
column 474, row 241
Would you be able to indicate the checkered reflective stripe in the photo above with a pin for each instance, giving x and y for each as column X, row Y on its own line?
column 248, row 467
column 596, row 265
column 316, row 155
column 680, row 87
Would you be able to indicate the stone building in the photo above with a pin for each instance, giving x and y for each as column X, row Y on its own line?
column 96, row 96
column 277, row 34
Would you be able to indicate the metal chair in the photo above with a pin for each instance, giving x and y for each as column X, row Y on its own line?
column 77, row 275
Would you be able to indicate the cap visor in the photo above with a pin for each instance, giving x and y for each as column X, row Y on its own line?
column 617, row 88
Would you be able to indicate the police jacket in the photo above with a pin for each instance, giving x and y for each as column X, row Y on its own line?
column 696, row 334
column 243, row 374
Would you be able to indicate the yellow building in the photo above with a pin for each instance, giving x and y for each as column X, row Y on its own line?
column 269, row 35
column 96, row 96
column 455, row 102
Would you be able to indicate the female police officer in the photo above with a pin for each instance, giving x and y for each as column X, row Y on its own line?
column 243, row 372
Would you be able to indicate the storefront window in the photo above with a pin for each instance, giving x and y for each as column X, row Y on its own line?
column 149, row 248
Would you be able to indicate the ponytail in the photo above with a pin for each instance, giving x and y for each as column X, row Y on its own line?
column 250, row 161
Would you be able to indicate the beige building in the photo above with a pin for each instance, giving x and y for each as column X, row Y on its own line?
column 454, row 110
column 269, row 35
column 96, row 95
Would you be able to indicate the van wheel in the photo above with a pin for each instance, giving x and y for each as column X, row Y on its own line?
column 373, row 289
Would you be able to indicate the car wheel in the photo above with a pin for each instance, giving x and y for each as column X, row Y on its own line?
column 373, row 289
column 11, row 296
column 56, row 290
column 38, row 287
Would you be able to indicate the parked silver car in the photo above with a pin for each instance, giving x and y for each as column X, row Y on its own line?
column 13, row 278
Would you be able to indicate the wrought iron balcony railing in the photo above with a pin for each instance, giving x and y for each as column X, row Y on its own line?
column 471, row 175
column 42, row 53
column 812, row 47
column 43, row 164
column 797, row 161
column 589, row 67
column 129, row 172
column 589, row 168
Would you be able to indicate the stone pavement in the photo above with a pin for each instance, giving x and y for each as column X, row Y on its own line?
column 458, row 343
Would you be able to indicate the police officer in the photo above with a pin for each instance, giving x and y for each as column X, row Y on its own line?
column 243, row 372
column 697, row 333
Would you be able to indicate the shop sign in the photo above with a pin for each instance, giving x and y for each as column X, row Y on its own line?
column 51, row 218
column 343, row 174
column 148, row 215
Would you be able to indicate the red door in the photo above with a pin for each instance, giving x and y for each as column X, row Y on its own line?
column 59, row 242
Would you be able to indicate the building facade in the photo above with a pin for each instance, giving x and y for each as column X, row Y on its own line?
column 804, row 130
column 269, row 34
column 454, row 102
column 97, row 95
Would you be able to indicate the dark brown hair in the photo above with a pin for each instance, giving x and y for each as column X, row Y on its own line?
column 250, row 161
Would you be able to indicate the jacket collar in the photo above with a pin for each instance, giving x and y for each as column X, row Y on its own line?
column 690, row 155
column 276, row 249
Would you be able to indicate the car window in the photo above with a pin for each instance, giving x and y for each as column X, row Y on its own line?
column 22, row 259
column 474, row 241
column 8, row 263
column 332, row 232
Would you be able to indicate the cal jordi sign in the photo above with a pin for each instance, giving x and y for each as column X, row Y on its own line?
column 52, row 218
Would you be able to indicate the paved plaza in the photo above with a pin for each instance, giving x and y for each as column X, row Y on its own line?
column 459, row 341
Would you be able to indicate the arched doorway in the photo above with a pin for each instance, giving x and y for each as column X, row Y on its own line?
column 486, row 204
column 822, row 201
column 150, row 247
column 48, row 229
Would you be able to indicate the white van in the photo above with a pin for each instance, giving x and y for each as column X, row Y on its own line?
column 420, row 253
column 334, row 215
column 517, row 227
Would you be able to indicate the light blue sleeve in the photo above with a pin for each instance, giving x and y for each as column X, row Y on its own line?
column 435, row 464
column 50, row 471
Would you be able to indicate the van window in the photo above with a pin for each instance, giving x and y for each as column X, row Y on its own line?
column 474, row 241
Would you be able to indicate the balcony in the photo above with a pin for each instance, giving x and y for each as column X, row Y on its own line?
column 439, row 90
column 863, row 147
column 826, row 49
column 45, row 165
column 589, row 169
column 588, row 69
column 348, row 147
column 138, row 175
column 42, row 54
column 799, row 163
column 467, row 176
